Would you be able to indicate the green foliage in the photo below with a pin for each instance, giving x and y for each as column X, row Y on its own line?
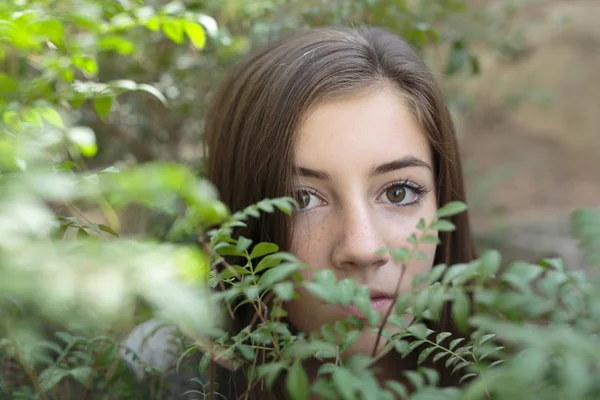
column 77, row 73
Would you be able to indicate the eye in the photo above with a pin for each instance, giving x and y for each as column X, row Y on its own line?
column 307, row 199
column 401, row 194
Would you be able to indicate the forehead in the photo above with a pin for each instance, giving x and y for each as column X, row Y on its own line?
column 373, row 128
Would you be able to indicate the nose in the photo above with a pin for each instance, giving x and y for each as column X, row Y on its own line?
column 359, row 240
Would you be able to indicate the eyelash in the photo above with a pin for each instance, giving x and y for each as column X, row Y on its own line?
column 419, row 190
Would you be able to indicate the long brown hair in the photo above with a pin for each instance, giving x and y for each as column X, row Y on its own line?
column 251, row 124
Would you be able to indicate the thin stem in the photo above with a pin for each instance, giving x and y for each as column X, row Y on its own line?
column 211, row 382
column 28, row 370
column 388, row 312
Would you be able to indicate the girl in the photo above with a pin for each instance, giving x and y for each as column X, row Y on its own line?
column 353, row 125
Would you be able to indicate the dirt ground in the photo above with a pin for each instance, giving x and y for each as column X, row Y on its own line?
column 531, row 140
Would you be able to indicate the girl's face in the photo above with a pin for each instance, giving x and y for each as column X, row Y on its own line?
column 365, row 178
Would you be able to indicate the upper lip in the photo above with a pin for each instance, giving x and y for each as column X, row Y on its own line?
column 376, row 294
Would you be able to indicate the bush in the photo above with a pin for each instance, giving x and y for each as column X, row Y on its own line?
column 72, row 288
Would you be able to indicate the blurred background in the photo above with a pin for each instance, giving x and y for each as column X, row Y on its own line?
column 522, row 78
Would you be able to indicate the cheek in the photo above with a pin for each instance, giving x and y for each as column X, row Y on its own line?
column 309, row 244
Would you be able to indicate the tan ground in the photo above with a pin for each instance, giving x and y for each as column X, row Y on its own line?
column 529, row 166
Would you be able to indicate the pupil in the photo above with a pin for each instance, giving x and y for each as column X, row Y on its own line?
column 396, row 194
column 303, row 199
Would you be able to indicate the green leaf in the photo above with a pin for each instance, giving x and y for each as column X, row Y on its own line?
column 443, row 226
column 123, row 84
column 242, row 244
column 454, row 272
column 33, row 117
column 304, row 350
column 455, row 343
column 81, row 374
column 266, row 206
column 263, row 248
column 349, row 339
column 460, row 366
column 459, row 55
column 460, row 309
column 232, row 271
column 153, row 23
column 268, row 262
column 153, row 91
column 451, row 209
column 397, row 387
column 297, row 383
column 424, row 354
column 430, row 239
column 52, row 29
column 227, row 249
column 327, row 332
column 204, row 363
column 275, row 275
column 345, row 383
column 419, row 330
column 103, row 105
column 284, row 204
column 270, row 372
column 246, row 351
column 585, row 225
column 51, row 115
column 116, row 43
column 173, row 29
column 196, row 33
column 435, row 274
column 346, row 289
column 432, row 375
column 8, row 84
column 86, row 64
column 442, row 336
column 402, row 303
column 415, row 378
column 108, row 229
column 51, row 376
column 284, row 290
column 490, row 264
column 439, row 356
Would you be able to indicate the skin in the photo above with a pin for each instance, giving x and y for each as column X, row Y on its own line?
column 348, row 215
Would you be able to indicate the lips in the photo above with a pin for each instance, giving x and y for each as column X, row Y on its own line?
column 379, row 302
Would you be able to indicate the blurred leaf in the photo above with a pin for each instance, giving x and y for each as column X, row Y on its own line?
column 51, row 115
column 103, row 105
column 81, row 374
column 459, row 55
column 443, row 226
column 51, row 376
column 585, row 225
column 451, row 209
column 173, row 29
column 297, row 383
column 284, row 290
column 86, row 64
column 460, row 309
column 196, row 34
column 85, row 140
column 8, row 84
column 153, row 91
column 116, row 43
column 107, row 229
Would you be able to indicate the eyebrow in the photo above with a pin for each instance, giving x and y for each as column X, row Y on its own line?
column 395, row 165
